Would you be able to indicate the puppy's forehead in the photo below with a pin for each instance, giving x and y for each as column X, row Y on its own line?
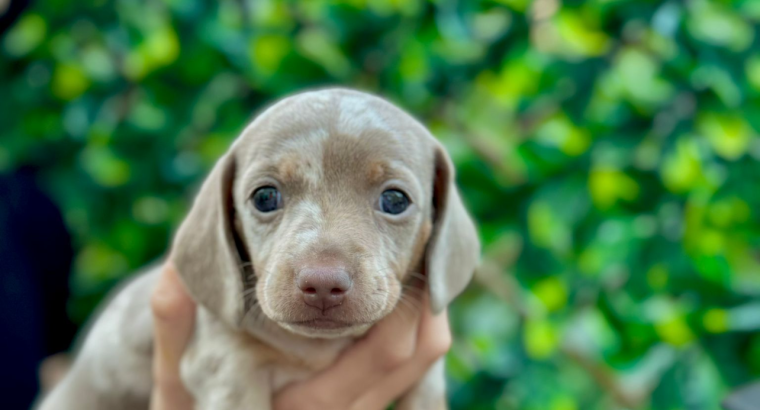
column 315, row 133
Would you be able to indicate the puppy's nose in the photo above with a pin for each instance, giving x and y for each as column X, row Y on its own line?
column 323, row 287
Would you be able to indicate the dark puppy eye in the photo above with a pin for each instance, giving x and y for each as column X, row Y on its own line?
column 267, row 199
column 394, row 202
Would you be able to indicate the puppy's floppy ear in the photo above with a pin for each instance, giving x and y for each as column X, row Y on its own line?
column 453, row 249
column 205, row 250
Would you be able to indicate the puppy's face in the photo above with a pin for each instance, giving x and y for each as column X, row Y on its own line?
column 327, row 203
column 335, row 210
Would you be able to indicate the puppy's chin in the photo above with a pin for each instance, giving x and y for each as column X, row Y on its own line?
column 326, row 329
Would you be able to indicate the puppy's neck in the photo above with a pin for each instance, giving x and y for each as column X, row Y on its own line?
column 315, row 353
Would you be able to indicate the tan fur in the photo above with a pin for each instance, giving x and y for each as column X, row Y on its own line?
column 375, row 172
column 331, row 154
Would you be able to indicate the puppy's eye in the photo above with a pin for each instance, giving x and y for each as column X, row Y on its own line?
column 267, row 199
column 393, row 202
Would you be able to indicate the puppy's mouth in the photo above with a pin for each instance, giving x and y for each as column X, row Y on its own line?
column 324, row 323
column 326, row 327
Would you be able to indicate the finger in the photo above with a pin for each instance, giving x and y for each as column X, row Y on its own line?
column 388, row 345
column 52, row 370
column 434, row 340
column 173, row 319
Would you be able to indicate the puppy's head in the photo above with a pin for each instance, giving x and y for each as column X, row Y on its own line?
column 320, row 212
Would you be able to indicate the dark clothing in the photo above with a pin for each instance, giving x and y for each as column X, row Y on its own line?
column 35, row 259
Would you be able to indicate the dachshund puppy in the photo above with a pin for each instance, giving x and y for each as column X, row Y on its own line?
column 305, row 234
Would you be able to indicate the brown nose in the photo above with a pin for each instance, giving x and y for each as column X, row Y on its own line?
column 323, row 287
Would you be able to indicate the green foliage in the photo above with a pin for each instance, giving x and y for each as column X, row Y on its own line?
column 607, row 149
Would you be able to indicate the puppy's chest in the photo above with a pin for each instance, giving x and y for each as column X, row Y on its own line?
column 297, row 364
column 225, row 355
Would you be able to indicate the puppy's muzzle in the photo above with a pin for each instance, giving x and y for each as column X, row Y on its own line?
column 324, row 287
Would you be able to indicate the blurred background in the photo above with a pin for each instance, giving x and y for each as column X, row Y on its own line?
column 607, row 148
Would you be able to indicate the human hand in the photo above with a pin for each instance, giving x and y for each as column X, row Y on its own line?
column 173, row 320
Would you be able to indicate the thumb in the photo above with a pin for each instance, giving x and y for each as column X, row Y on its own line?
column 173, row 320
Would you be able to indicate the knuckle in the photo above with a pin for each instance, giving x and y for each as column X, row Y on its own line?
column 168, row 304
column 390, row 359
column 439, row 346
column 162, row 306
column 168, row 298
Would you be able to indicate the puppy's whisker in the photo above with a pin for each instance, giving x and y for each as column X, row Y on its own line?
column 414, row 301
column 406, row 308
column 418, row 276
column 413, row 291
